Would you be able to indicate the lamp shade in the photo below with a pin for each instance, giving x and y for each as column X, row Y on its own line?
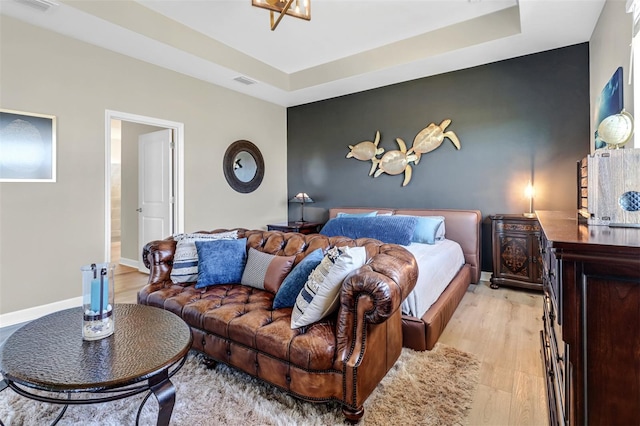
column 301, row 197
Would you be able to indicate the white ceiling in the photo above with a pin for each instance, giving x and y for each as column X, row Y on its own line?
column 348, row 46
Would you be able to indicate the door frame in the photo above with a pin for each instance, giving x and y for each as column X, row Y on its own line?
column 177, row 165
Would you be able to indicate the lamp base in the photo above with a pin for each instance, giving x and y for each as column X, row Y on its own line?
column 529, row 215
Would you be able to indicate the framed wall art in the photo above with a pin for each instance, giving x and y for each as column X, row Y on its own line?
column 27, row 147
column 609, row 102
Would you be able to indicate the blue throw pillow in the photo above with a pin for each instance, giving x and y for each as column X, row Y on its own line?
column 221, row 261
column 365, row 214
column 291, row 286
column 429, row 229
column 388, row 229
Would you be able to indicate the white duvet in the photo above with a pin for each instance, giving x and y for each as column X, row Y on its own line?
column 437, row 264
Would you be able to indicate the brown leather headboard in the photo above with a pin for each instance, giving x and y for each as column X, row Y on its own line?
column 461, row 226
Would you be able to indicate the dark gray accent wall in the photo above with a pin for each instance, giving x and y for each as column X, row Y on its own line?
column 519, row 119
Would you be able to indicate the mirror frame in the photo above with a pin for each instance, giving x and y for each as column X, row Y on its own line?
column 227, row 166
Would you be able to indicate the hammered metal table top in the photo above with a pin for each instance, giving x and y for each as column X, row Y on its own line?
column 50, row 354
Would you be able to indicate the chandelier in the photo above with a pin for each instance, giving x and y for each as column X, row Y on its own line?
column 298, row 8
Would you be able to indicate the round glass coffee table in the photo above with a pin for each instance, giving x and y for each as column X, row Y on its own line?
column 148, row 346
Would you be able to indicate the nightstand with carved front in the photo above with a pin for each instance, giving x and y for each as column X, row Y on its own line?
column 301, row 227
column 516, row 254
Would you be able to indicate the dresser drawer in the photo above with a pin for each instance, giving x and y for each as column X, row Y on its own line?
column 553, row 351
column 545, row 351
column 551, row 277
column 555, row 362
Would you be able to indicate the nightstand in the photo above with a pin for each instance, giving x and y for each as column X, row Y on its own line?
column 516, row 253
column 301, row 227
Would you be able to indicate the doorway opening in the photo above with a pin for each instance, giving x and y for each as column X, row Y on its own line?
column 123, row 212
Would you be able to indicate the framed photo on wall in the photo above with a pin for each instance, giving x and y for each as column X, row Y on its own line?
column 27, row 147
column 609, row 102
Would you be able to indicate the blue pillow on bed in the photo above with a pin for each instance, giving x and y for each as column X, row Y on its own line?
column 365, row 214
column 388, row 229
column 429, row 229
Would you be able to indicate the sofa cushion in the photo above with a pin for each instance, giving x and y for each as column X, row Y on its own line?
column 220, row 261
column 185, row 258
column 321, row 293
column 388, row 229
column 243, row 315
column 266, row 271
column 293, row 283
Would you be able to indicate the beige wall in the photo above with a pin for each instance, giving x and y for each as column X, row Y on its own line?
column 49, row 230
column 609, row 48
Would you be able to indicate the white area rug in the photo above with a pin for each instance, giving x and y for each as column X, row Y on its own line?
column 423, row 388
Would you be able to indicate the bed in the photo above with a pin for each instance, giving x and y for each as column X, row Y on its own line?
column 420, row 331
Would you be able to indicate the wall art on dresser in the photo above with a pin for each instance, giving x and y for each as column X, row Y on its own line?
column 27, row 147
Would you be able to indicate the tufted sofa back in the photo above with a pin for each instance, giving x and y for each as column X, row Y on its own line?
column 290, row 243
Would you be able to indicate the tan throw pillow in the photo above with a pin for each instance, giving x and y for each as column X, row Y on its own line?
column 320, row 295
column 266, row 271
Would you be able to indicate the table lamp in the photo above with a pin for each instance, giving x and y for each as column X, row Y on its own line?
column 302, row 198
column 529, row 193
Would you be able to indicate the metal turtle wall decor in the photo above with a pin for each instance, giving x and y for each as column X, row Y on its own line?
column 399, row 161
column 366, row 150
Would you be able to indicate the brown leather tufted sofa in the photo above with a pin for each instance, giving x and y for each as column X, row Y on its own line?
column 341, row 358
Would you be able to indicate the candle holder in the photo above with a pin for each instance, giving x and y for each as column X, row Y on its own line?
column 97, row 301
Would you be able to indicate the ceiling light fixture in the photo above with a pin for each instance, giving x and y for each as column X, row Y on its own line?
column 297, row 8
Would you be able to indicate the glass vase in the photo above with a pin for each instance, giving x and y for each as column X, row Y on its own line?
column 97, row 300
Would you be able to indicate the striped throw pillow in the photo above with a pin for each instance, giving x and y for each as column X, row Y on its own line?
column 185, row 259
column 321, row 293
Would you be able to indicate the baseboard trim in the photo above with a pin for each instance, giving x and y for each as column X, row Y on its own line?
column 128, row 262
column 25, row 315
column 485, row 276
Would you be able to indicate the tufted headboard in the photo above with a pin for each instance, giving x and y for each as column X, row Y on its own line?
column 462, row 226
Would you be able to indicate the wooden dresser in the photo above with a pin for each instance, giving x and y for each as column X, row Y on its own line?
column 516, row 256
column 591, row 336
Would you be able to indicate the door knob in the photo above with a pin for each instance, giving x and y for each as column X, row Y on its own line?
column 139, row 210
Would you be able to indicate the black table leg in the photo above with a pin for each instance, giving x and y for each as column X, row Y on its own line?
column 165, row 393
column 3, row 386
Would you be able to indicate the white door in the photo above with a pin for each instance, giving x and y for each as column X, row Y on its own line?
column 155, row 204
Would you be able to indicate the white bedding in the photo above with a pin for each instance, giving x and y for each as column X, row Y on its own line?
column 437, row 264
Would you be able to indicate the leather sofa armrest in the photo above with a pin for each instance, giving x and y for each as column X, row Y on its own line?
column 373, row 293
column 158, row 257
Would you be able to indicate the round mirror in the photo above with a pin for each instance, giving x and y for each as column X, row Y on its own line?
column 243, row 166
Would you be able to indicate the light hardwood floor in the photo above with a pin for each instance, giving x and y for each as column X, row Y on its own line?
column 501, row 327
